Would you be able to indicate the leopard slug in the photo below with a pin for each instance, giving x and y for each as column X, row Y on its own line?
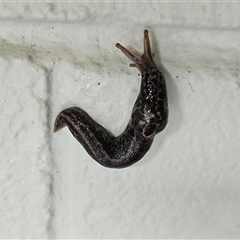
column 149, row 117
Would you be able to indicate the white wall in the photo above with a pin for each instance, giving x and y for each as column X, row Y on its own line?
column 53, row 55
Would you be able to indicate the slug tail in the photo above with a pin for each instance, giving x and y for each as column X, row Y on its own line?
column 101, row 145
column 59, row 122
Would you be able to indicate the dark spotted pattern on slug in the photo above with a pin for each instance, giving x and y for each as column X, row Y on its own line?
column 149, row 117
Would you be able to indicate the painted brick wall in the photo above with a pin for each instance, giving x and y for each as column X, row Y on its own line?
column 56, row 55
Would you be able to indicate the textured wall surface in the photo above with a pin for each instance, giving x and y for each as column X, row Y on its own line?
column 56, row 55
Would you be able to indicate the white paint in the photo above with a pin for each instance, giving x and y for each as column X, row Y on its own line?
column 53, row 55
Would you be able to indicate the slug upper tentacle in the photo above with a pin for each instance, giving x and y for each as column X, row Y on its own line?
column 149, row 117
column 140, row 62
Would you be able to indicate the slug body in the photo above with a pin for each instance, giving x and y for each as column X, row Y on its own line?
column 149, row 117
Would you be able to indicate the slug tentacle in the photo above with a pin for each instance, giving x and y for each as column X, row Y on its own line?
column 141, row 62
column 149, row 117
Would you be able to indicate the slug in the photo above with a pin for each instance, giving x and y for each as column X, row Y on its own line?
column 149, row 117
